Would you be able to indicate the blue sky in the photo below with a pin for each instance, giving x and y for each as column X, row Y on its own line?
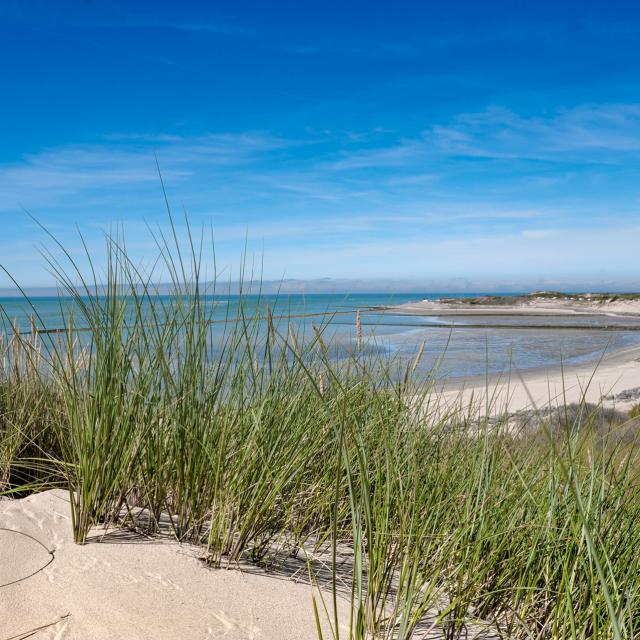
column 410, row 140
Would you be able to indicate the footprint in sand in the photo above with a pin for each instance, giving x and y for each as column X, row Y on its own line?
column 249, row 631
column 158, row 579
column 74, row 566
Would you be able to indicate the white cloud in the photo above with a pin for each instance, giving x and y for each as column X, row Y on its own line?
column 605, row 133
column 52, row 177
column 586, row 133
column 508, row 256
column 536, row 234
column 326, row 211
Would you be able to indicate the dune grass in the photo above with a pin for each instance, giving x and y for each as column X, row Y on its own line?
column 258, row 445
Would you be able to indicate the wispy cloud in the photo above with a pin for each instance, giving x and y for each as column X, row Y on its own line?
column 126, row 160
column 539, row 234
column 606, row 133
column 406, row 152
column 585, row 133
column 323, row 195
column 216, row 28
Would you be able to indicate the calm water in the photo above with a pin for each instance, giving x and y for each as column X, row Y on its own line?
column 461, row 350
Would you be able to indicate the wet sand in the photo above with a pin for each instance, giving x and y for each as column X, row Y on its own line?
column 599, row 381
column 596, row 382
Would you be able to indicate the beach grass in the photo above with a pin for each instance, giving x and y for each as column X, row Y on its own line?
column 259, row 446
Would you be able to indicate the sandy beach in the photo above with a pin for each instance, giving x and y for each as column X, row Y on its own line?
column 613, row 379
column 614, row 382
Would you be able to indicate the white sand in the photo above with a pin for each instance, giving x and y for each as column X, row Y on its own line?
column 510, row 392
column 129, row 588
column 124, row 586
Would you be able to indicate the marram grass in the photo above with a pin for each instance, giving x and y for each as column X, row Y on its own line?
column 258, row 445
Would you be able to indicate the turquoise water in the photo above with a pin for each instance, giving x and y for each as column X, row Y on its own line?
column 458, row 351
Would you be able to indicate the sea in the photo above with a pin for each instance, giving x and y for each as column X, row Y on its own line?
column 450, row 347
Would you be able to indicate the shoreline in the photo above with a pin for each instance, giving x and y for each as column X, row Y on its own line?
column 600, row 380
column 511, row 391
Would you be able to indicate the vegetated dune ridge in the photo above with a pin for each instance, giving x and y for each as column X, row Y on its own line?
column 536, row 303
column 124, row 586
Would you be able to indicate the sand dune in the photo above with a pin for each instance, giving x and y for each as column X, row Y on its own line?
column 130, row 588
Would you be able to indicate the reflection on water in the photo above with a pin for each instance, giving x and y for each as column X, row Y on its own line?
column 468, row 352
column 462, row 346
